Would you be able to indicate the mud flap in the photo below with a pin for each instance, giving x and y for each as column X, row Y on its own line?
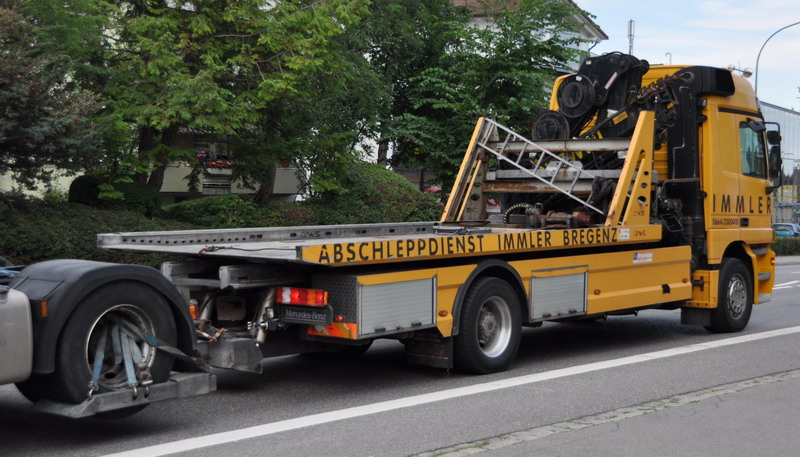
column 430, row 350
column 696, row 316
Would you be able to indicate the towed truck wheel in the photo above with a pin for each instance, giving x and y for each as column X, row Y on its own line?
column 96, row 328
column 490, row 328
column 735, row 302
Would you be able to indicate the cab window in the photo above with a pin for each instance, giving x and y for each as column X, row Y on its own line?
column 754, row 161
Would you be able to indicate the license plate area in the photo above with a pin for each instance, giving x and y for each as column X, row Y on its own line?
column 315, row 315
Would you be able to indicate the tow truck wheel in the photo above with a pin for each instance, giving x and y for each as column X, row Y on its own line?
column 490, row 328
column 100, row 319
column 735, row 298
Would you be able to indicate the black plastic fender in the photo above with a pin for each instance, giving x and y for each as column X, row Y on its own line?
column 491, row 267
column 64, row 283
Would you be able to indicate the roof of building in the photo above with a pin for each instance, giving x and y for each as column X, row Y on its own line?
column 481, row 8
column 780, row 108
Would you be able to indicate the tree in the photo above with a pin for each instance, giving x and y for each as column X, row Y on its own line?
column 45, row 118
column 501, row 70
column 318, row 127
column 300, row 80
column 217, row 67
column 401, row 39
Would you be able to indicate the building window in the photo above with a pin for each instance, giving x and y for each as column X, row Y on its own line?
column 754, row 158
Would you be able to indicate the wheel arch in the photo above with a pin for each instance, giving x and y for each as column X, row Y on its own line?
column 756, row 258
column 64, row 283
column 740, row 251
column 494, row 268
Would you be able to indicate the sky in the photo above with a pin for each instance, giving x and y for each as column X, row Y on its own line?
column 712, row 33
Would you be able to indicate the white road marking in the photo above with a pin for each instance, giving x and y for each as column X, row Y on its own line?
column 785, row 284
column 417, row 400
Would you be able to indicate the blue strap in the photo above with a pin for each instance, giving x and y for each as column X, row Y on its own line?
column 99, row 355
column 162, row 345
column 126, row 355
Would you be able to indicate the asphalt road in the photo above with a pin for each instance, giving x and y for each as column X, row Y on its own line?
column 631, row 385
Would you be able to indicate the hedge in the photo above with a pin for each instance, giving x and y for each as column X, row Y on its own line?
column 133, row 195
column 372, row 194
column 222, row 211
column 786, row 246
column 34, row 230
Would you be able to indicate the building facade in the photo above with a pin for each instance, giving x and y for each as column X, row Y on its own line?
column 787, row 198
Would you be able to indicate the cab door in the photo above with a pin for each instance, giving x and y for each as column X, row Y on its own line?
column 722, row 174
column 754, row 204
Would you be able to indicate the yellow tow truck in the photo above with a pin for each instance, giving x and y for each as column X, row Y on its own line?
column 642, row 187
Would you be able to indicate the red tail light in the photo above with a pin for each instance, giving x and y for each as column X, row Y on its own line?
column 298, row 296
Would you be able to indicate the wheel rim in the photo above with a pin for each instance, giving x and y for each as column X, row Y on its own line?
column 112, row 373
column 494, row 327
column 737, row 296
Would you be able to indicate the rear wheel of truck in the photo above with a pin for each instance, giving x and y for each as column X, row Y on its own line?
column 735, row 302
column 99, row 319
column 490, row 328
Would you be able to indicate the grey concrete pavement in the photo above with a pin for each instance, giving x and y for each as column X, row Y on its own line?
column 753, row 417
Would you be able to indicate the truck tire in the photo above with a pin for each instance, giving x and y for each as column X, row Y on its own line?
column 126, row 300
column 735, row 302
column 490, row 328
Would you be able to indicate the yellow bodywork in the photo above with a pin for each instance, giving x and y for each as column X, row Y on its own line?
column 472, row 167
column 638, row 163
column 633, row 275
column 499, row 241
column 737, row 209
column 661, row 275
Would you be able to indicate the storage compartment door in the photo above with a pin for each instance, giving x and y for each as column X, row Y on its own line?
column 558, row 293
column 397, row 306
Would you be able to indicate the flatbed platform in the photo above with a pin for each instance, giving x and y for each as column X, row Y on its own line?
column 371, row 243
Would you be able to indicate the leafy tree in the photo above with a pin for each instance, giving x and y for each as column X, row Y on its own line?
column 300, row 80
column 45, row 118
column 402, row 38
column 501, row 70
column 274, row 84
column 317, row 128
column 216, row 67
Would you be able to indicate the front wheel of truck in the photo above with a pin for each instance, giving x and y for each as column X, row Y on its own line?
column 735, row 302
column 490, row 328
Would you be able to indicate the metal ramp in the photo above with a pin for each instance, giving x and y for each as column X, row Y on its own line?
column 537, row 166
column 547, row 164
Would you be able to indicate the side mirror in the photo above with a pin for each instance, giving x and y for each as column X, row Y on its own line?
column 774, row 137
column 775, row 162
column 774, row 159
